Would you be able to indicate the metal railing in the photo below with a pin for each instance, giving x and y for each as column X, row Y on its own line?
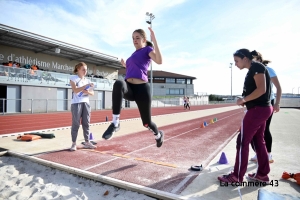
column 41, row 105
column 39, row 77
column 59, row 105
column 165, row 103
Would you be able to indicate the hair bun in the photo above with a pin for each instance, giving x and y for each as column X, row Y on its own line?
column 149, row 43
column 254, row 53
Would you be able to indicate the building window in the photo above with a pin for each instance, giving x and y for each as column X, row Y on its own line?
column 180, row 81
column 170, row 80
column 159, row 80
column 175, row 91
column 188, row 81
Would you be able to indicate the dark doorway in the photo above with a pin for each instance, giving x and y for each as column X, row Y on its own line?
column 3, row 95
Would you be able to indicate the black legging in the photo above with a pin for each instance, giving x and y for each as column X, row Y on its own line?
column 187, row 105
column 140, row 93
column 267, row 134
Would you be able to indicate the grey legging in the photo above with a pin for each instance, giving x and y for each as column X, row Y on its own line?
column 80, row 111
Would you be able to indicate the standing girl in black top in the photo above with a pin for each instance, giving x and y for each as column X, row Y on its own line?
column 256, row 97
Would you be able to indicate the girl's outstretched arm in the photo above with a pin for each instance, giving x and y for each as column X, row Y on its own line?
column 155, row 55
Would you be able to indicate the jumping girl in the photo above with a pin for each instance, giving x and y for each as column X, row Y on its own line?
column 136, row 87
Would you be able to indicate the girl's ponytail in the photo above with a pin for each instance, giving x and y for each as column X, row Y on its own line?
column 149, row 43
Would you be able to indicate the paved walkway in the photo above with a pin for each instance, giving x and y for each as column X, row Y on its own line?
column 285, row 129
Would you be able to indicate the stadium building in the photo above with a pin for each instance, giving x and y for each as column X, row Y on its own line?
column 35, row 71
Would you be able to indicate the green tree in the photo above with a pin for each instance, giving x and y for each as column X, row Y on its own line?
column 213, row 97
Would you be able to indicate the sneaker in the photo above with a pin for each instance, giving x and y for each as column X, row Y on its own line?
column 229, row 178
column 73, row 147
column 110, row 131
column 254, row 158
column 160, row 141
column 270, row 158
column 89, row 145
column 255, row 177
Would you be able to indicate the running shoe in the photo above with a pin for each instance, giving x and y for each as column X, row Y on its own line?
column 73, row 147
column 228, row 178
column 270, row 158
column 160, row 140
column 108, row 134
column 256, row 177
column 89, row 145
column 254, row 158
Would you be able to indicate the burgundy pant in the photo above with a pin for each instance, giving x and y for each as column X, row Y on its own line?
column 252, row 128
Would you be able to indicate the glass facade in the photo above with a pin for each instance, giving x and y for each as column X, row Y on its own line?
column 170, row 80
column 180, row 81
column 175, row 91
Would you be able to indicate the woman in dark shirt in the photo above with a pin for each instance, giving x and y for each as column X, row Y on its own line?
column 256, row 98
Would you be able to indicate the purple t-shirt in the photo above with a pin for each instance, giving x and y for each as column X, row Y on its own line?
column 138, row 63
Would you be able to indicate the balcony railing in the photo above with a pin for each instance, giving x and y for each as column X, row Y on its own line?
column 46, row 78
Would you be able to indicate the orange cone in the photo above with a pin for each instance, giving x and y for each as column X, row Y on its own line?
column 212, row 121
column 202, row 125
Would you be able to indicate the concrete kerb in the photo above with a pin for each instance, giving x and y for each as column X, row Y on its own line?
column 103, row 179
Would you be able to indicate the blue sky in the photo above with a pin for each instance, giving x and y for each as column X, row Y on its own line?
column 196, row 37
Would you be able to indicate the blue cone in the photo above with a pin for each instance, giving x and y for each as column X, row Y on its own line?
column 223, row 159
column 91, row 136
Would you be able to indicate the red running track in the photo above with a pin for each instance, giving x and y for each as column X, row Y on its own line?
column 29, row 122
column 135, row 158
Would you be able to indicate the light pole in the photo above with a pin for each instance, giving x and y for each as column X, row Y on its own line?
column 149, row 19
column 231, row 80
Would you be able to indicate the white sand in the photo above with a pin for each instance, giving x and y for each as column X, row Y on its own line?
column 21, row 179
